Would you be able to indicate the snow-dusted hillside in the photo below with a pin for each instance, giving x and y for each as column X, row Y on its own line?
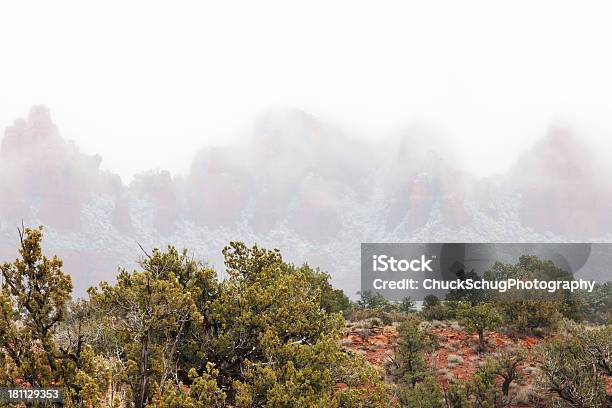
column 298, row 185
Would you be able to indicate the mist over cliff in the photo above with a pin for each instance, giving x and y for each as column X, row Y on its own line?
column 295, row 183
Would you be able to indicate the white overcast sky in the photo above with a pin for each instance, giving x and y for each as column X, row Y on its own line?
column 145, row 84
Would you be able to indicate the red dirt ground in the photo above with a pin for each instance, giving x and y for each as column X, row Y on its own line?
column 377, row 347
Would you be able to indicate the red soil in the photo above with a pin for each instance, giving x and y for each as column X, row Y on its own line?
column 377, row 346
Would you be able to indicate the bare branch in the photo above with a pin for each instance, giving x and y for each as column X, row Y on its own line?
column 143, row 250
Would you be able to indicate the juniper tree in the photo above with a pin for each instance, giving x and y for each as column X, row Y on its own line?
column 273, row 340
column 425, row 394
column 332, row 300
column 478, row 319
column 407, row 305
column 33, row 302
column 409, row 365
column 150, row 311
column 575, row 367
column 265, row 336
column 34, row 314
column 508, row 367
column 533, row 311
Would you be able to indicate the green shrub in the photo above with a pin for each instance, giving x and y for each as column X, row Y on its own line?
column 596, row 307
column 533, row 312
column 425, row 394
column 573, row 366
column 437, row 312
column 478, row 319
column 408, row 365
column 407, row 305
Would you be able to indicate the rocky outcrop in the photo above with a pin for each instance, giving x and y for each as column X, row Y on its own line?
column 297, row 184
column 563, row 187
column 45, row 176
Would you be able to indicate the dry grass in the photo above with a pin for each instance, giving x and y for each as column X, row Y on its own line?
column 455, row 359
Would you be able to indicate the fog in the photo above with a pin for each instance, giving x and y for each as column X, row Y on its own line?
column 296, row 182
column 311, row 126
column 145, row 84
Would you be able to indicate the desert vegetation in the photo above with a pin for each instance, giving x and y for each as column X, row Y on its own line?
column 475, row 349
column 272, row 334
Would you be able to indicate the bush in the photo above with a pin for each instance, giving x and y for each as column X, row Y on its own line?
column 507, row 367
column 332, row 300
column 478, row 319
column 385, row 318
column 436, row 312
column 573, row 367
column 483, row 390
column 375, row 301
column 408, row 364
column 434, row 309
column 523, row 313
column 455, row 359
column 173, row 335
column 425, row 394
column 597, row 305
column 525, row 395
column 430, row 301
column 407, row 305
column 530, row 317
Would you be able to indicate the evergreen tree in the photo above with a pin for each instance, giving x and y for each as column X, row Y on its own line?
column 478, row 319
column 409, row 365
column 535, row 311
column 34, row 311
column 33, row 302
column 371, row 300
column 407, row 305
column 575, row 367
column 425, row 394
column 268, row 335
column 150, row 312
